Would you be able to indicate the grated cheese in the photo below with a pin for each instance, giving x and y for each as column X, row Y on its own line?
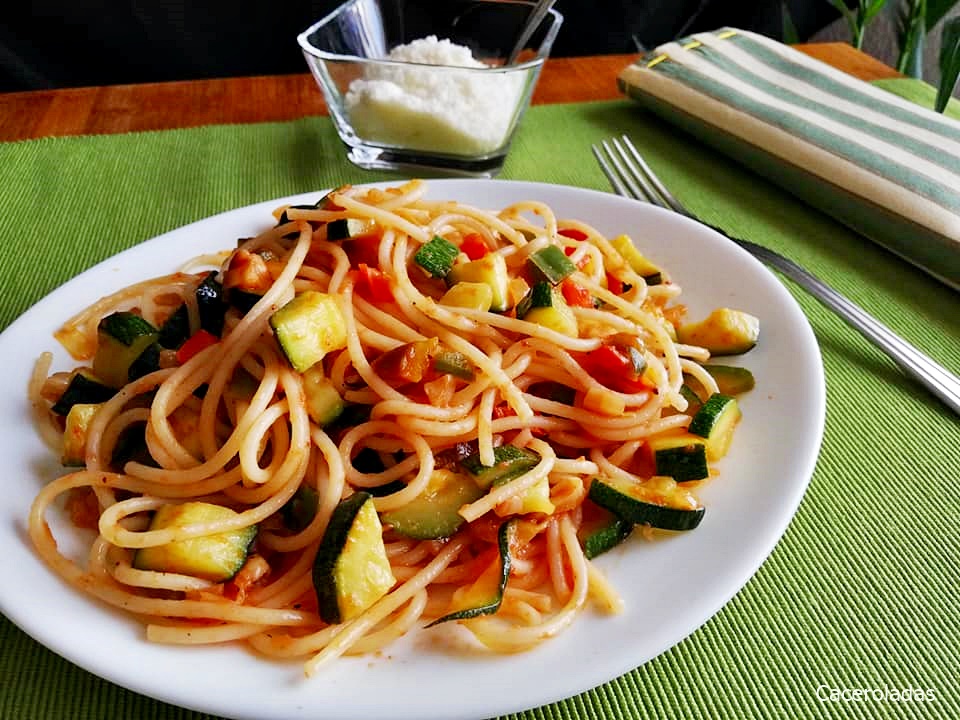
column 449, row 111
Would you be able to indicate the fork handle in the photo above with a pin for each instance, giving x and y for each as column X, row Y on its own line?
column 927, row 371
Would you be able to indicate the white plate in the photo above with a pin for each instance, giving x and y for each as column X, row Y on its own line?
column 670, row 586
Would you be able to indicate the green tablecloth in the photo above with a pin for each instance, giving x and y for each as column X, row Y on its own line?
column 862, row 590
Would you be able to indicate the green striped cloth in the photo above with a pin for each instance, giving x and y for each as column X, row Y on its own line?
column 878, row 163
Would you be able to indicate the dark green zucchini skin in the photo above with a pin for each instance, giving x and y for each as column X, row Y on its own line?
column 243, row 300
column 323, row 567
column 490, row 605
column 434, row 514
column 605, row 535
column 703, row 422
column 731, row 380
column 640, row 512
column 126, row 349
column 82, row 390
column 436, row 257
column 211, row 304
column 509, row 461
column 683, row 463
column 176, row 329
column 147, row 362
column 299, row 511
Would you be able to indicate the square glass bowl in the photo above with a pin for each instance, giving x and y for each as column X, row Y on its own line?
column 432, row 88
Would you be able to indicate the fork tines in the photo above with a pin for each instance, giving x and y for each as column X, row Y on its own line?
column 631, row 176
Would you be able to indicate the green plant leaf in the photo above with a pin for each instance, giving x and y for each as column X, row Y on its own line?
column 949, row 62
column 789, row 32
column 912, row 37
column 849, row 15
column 869, row 9
column 937, row 10
column 842, row 7
column 859, row 17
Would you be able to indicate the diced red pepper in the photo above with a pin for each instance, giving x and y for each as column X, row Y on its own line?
column 628, row 386
column 576, row 295
column 572, row 233
column 608, row 359
column 363, row 249
column 196, row 343
column 614, row 368
column 614, row 284
column 374, row 284
column 474, row 246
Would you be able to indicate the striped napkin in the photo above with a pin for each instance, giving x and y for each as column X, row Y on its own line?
column 878, row 163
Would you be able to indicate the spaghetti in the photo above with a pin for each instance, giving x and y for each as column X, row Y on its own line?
column 414, row 385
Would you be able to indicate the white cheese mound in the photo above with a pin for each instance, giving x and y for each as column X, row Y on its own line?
column 446, row 111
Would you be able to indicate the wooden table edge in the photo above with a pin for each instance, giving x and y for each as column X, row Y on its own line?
column 277, row 98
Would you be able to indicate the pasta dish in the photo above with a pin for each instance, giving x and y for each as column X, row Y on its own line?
column 385, row 412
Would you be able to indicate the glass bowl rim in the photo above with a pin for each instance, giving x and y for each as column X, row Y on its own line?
column 309, row 48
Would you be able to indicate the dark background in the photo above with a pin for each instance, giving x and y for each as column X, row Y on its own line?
column 63, row 43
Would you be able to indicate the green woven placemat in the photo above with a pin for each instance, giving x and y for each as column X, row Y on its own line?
column 860, row 593
column 919, row 92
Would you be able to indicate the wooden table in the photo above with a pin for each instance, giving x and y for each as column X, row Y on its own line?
column 161, row 106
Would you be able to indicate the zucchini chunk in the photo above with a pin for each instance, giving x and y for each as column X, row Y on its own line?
column 545, row 306
column 694, row 402
column 436, row 256
column 243, row 300
column 491, row 270
column 299, row 511
column 637, row 261
column 351, row 571
column 731, row 380
column 601, row 530
column 347, row 228
column 536, row 499
column 353, row 414
column 551, row 265
column 147, row 362
column 121, row 338
column 84, row 389
column 723, row 332
column 682, row 457
column 215, row 557
column 324, row 403
column 633, row 503
column 175, row 329
column 716, row 421
column 454, row 363
column 132, row 445
column 509, row 462
column 308, row 327
column 486, row 593
column 472, row 295
column 75, row 433
column 433, row 514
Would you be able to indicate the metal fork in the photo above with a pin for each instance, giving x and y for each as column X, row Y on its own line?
column 631, row 177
